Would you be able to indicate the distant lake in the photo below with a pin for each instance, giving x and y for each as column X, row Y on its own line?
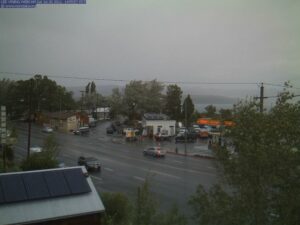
column 201, row 107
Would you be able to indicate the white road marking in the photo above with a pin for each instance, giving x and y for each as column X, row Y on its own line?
column 164, row 174
column 139, row 178
column 99, row 179
column 176, row 161
column 109, row 169
column 161, row 165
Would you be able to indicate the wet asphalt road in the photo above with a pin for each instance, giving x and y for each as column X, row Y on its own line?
column 173, row 179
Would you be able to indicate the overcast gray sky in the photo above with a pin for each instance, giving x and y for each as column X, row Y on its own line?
column 168, row 40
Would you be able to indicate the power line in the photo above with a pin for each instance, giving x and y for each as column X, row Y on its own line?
column 166, row 82
column 127, row 80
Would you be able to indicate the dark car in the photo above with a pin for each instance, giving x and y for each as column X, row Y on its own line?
column 189, row 137
column 90, row 163
column 155, row 152
column 109, row 130
column 82, row 130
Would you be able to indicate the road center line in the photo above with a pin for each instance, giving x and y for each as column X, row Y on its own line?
column 139, row 178
column 109, row 169
column 176, row 161
column 163, row 174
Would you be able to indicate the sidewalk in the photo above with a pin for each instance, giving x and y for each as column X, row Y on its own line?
column 196, row 151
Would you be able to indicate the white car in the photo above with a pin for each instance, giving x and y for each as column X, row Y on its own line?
column 35, row 149
column 155, row 152
column 47, row 130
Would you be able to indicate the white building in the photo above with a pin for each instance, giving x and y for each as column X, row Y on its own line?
column 154, row 123
column 102, row 113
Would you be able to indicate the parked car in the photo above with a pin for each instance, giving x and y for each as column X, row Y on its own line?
column 162, row 137
column 182, row 130
column 35, row 149
column 47, row 129
column 155, row 152
column 82, row 130
column 90, row 163
column 109, row 130
column 189, row 137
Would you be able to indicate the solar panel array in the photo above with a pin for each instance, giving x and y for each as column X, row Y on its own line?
column 42, row 185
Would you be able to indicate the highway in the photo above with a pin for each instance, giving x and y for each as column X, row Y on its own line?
column 173, row 179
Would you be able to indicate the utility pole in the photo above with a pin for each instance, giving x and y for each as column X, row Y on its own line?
column 261, row 103
column 82, row 93
column 29, row 119
column 3, row 135
column 185, row 132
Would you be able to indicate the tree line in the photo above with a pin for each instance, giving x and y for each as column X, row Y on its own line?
column 32, row 95
column 40, row 93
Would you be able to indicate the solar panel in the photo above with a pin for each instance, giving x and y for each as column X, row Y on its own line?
column 13, row 188
column 35, row 185
column 1, row 195
column 56, row 183
column 77, row 181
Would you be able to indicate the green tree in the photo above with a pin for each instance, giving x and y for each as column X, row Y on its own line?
column 116, row 103
column 173, row 102
column 141, row 97
column 6, row 96
column 118, row 209
column 153, row 96
column 173, row 216
column 45, row 159
column 226, row 114
column 51, row 145
column 145, row 206
column 261, row 178
column 87, row 88
column 93, row 87
column 39, row 161
column 188, row 109
column 210, row 111
column 91, row 99
column 40, row 93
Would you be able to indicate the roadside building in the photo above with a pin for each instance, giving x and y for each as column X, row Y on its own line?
column 157, row 123
column 102, row 113
column 64, row 121
column 55, row 196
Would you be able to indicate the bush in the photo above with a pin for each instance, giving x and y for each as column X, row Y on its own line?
column 117, row 209
column 38, row 161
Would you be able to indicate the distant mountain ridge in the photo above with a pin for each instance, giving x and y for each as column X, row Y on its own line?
column 213, row 99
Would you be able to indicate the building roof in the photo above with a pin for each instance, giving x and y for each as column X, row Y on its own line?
column 60, row 115
column 42, row 195
column 155, row 116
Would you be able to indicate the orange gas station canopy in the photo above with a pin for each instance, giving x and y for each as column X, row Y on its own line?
column 212, row 122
